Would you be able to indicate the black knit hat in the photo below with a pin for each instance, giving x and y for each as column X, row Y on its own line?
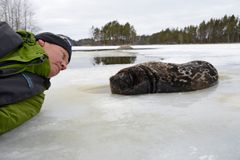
column 59, row 40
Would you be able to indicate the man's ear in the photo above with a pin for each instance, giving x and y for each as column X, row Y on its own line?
column 41, row 42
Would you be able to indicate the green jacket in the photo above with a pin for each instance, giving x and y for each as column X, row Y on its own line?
column 32, row 58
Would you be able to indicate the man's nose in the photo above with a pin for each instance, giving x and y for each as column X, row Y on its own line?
column 63, row 66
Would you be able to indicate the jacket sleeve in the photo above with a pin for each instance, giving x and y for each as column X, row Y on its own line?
column 18, row 87
column 13, row 115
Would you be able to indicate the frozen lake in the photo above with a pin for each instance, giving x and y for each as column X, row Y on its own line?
column 82, row 120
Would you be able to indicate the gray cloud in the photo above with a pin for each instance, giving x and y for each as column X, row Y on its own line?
column 75, row 17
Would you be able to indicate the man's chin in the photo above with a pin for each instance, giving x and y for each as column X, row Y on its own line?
column 52, row 74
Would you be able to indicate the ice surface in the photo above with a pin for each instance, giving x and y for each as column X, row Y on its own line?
column 82, row 120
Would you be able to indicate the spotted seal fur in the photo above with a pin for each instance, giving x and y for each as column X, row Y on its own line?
column 159, row 77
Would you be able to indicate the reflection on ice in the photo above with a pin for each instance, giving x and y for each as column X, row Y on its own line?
column 81, row 119
column 114, row 60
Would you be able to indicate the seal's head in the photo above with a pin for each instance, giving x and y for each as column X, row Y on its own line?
column 128, row 81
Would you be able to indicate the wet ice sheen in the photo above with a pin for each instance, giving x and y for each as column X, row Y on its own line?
column 82, row 120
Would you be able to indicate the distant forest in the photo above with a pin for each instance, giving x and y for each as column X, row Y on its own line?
column 224, row 30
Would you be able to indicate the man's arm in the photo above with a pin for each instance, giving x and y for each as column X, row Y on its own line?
column 13, row 115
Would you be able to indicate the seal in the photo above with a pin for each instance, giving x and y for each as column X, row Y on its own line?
column 159, row 77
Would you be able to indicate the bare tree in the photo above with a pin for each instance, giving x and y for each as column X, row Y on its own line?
column 18, row 14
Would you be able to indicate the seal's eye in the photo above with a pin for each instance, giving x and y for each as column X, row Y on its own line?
column 125, row 78
column 130, row 78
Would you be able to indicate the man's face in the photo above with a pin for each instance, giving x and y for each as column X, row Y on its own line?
column 58, row 57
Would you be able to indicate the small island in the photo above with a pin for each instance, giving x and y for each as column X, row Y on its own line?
column 125, row 47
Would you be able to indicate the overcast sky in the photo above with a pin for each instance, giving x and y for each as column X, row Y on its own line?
column 74, row 18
